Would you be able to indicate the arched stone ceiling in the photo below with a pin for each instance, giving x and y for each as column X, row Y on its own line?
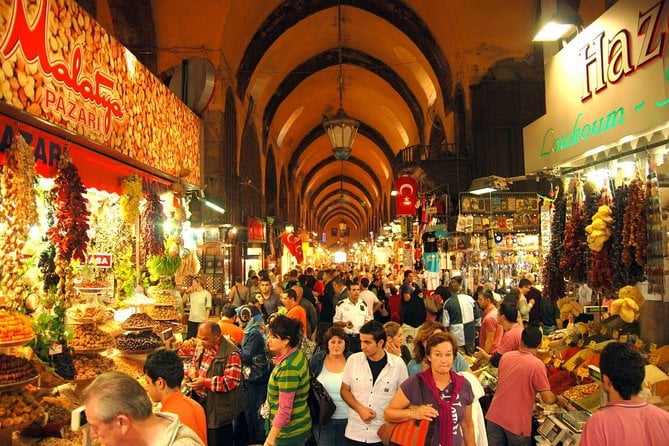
column 353, row 160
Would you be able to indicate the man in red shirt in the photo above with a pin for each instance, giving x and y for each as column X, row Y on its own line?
column 521, row 376
column 295, row 310
column 164, row 372
column 508, row 319
column 490, row 334
column 626, row 419
column 227, row 324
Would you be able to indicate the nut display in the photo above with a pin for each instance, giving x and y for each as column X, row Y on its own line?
column 90, row 366
column 85, row 313
column 18, row 408
column 14, row 369
column 145, row 340
column 138, row 321
column 162, row 298
column 88, row 337
column 164, row 314
column 58, row 409
column 165, row 325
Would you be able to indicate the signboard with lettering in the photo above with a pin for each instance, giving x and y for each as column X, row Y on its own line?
column 608, row 83
column 256, row 230
column 61, row 66
column 99, row 260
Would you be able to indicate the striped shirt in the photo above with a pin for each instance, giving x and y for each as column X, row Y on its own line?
column 291, row 376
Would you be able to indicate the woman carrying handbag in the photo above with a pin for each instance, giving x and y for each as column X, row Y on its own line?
column 438, row 395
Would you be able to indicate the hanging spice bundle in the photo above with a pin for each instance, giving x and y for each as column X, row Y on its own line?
column 574, row 244
column 592, row 198
column 153, row 239
column 132, row 195
column 620, row 272
column 655, row 264
column 69, row 235
column 18, row 210
column 635, row 243
column 553, row 277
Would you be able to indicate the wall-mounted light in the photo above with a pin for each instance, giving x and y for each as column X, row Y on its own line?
column 393, row 193
column 211, row 205
column 486, row 185
column 290, row 228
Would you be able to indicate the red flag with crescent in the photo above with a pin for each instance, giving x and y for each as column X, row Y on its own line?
column 294, row 245
column 407, row 194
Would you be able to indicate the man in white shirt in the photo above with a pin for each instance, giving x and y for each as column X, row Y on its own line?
column 351, row 314
column 370, row 381
column 373, row 302
column 199, row 300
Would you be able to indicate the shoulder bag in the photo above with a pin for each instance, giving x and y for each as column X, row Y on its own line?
column 413, row 432
column 320, row 402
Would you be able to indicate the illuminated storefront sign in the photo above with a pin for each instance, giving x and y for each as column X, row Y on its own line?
column 608, row 83
column 61, row 66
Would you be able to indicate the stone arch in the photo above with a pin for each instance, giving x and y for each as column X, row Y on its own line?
column 271, row 205
column 283, row 197
column 250, row 176
column 228, row 159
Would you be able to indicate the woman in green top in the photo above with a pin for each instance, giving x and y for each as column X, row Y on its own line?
column 289, row 420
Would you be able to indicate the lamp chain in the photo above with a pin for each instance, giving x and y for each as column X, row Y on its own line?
column 341, row 70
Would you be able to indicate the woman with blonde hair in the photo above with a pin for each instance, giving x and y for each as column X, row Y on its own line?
column 394, row 341
column 418, row 364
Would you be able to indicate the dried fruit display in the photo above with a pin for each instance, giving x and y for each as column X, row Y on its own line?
column 89, row 337
column 14, row 369
column 138, row 321
column 18, row 408
column 599, row 231
column 187, row 347
column 90, row 366
column 18, row 210
column 164, row 313
column 152, row 236
column 601, row 271
column 15, row 327
column 553, row 277
column 138, row 341
column 132, row 195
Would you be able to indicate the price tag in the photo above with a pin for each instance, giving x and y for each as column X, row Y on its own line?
column 652, row 347
column 571, row 366
column 623, row 338
column 654, row 358
column 55, row 349
column 639, row 343
column 592, row 344
column 580, row 342
column 557, row 363
column 603, row 331
column 615, row 334
column 583, row 372
column 568, row 340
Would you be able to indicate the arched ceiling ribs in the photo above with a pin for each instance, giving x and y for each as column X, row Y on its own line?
column 336, row 180
column 335, row 214
column 314, row 171
column 363, row 130
column 338, row 193
column 336, row 203
column 396, row 12
column 331, row 58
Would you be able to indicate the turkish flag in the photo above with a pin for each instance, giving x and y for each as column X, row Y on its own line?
column 407, row 195
column 294, row 245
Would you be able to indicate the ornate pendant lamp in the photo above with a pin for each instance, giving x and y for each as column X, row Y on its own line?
column 341, row 128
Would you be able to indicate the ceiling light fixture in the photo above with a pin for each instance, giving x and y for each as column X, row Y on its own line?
column 341, row 128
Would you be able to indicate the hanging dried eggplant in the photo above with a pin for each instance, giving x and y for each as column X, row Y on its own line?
column 152, row 236
column 553, row 277
column 574, row 246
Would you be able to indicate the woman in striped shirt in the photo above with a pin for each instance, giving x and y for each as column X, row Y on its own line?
column 289, row 421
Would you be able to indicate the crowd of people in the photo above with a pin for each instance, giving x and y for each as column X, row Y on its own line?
column 381, row 351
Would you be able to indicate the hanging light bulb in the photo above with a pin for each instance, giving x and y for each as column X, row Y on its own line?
column 341, row 128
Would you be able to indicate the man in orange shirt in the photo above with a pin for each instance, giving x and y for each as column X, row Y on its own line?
column 227, row 324
column 295, row 310
column 164, row 372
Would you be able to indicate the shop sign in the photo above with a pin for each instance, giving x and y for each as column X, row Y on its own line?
column 609, row 82
column 49, row 147
column 99, row 260
column 253, row 251
column 256, row 230
column 61, row 66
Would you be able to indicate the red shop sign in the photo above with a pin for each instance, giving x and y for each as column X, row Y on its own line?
column 99, row 260
column 256, row 230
